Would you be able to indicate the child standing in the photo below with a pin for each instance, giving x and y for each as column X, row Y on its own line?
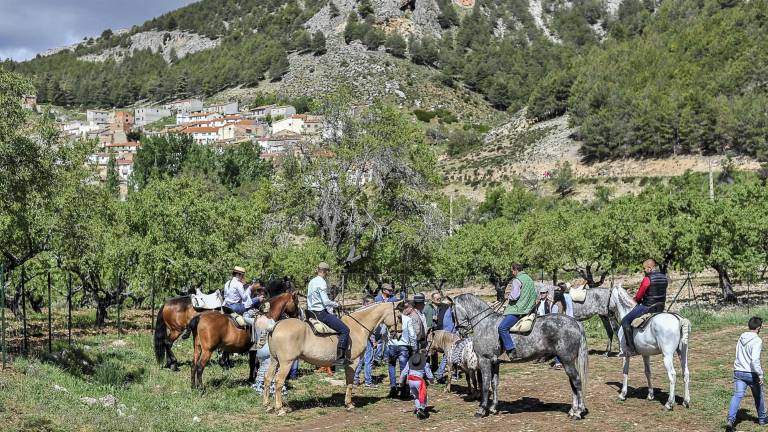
column 747, row 372
column 417, row 373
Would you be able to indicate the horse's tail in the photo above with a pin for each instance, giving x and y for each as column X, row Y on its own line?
column 582, row 361
column 685, row 332
column 192, row 326
column 161, row 336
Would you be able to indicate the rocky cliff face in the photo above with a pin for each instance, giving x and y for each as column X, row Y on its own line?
column 165, row 42
column 421, row 21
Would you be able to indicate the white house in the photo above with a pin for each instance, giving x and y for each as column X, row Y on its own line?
column 273, row 111
column 225, row 108
column 184, row 118
column 185, row 105
column 279, row 143
column 203, row 135
column 290, row 124
column 147, row 115
column 101, row 118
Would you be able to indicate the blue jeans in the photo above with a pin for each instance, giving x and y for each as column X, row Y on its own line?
column 506, row 339
column 742, row 380
column 237, row 308
column 397, row 353
column 337, row 325
column 441, row 368
column 626, row 323
column 367, row 363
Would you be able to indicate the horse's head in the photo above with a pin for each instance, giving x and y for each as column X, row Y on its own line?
column 392, row 319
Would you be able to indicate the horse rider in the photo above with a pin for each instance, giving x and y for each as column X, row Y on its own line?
column 255, row 294
column 322, row 306
column 521, row 300
column 650, row 298
column 234, row 292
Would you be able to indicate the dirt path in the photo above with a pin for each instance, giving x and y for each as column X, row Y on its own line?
column 534, row 397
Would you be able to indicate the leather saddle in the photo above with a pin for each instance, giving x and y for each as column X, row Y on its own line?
column 318, row 327
column 238, row 321
column 524, row 325
column 640, row 322
column 202, row 301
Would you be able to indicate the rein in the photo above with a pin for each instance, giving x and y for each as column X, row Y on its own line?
column 466, row 331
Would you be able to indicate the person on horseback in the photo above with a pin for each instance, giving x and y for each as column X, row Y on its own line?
column 521, row 300
column 254, row 298
column 234, row 292
column 322, row 306
column 650, row 298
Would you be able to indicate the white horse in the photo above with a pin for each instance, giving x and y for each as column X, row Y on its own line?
column 665, row 334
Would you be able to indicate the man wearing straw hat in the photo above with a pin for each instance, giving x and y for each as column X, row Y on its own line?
column 322, row 306
column 234, row 292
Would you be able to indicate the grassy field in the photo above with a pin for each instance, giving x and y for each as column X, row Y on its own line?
column 43, row 392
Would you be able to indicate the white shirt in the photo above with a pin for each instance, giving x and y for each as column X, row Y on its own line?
column 317, row 296
column 748, row 353
column 234, row 293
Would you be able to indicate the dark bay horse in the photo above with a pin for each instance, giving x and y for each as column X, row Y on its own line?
column 213, row 330
column 174, row 317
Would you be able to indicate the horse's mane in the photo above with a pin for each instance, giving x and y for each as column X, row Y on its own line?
column 470, row 303
column 362, row 308
column 185, row 299
column 626, row 300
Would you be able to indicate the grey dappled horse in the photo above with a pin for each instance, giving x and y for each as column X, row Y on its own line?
column 665, row 334
column 551, row 335
column 596, row 303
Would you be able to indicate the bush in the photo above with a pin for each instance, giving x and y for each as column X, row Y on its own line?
column 424, row 116
column 395, row 45
column 461, row 141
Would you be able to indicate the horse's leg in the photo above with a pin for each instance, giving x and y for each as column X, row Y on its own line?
column 252, row 366
column 281, row 376
column 623, row 394
column 647, row 365
column 195, row 359
column 495, row 387
column 205, row 355
column 476, row 380
column 172, row 363
column 575, row 381
column 686, row 375
column 608, row 331
column 268, row 377
column 448, row 374
column 349, row 371
column 486, row 369
column 669, row 364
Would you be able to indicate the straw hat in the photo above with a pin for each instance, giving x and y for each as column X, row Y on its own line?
column 238, row 269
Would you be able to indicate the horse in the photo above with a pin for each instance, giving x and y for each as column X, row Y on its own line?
column 174, row 317
column 596, row 303
column 445, row 342
column 665, row 334
column 551, row 335
column 213, row 330
column 293, row 339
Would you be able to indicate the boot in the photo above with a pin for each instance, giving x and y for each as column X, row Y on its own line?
column 341, row 359
column 393, row 392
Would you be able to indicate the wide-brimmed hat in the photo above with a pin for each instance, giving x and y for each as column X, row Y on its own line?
column 543, row 289
column 323, row 266
column 386, row 288
column 238, row 269
column 417, row 361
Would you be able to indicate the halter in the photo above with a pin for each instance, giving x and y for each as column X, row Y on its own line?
column 465, row 331
column 394, row 315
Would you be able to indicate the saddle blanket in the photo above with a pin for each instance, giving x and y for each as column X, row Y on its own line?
column 524, row 325
column 238, row 321
column 207, row 301
column 578, row 295
column 320, row 328
column 463, row 353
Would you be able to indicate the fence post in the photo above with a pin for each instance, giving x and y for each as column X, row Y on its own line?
column 2, row 311
column 24, row 310
column 69, row 307
column 50, row 326
column 152, row 314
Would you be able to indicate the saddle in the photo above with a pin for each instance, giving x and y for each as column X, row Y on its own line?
column 578, row 295
column 238, row 321
column 524, row 325
column 318, row 327
column 202, row 301
column 640, row 322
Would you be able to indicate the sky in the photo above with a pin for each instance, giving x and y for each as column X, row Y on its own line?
column 28, row 27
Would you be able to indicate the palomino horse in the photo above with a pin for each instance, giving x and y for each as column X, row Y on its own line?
column 292, row 339
column 445, row 342
column 551, row 335
column 665, row 334
column 174, row 316
column 213, row 330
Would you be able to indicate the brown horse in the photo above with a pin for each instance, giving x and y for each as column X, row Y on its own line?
column 213, row 330
column 174, row 317
column 292, row 339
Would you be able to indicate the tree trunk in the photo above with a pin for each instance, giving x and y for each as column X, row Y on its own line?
column 725, row 284
column 101, row 312
column 554, row 277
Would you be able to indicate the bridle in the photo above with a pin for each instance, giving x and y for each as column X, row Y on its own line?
column 394, row 316
column 465, row 330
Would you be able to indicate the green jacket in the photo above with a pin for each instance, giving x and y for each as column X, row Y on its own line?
column 524, row 303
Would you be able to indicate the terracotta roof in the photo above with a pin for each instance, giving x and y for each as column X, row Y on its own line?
column 200, row 129
column 125, row 144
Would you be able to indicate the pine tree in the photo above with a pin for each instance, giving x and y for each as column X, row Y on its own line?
column 279, row 66
column 396, row 45
column 365, row 8
column 113, row 179
column 333, row 10
column 318, row 43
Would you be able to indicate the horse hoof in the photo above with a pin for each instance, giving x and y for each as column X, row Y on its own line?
column 493, row 412
column 576, row 417
column 622, row 398
column 281, row 413
column 481, row 414
column 686, row 404
column 270, row 409
column 668, row 407
column 650, row 397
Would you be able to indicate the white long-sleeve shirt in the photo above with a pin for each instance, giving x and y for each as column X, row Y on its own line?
column 748, row 350
column 317, row 296
column 234, row 293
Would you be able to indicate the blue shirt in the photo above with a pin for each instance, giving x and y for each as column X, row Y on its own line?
column 317, row 296
column 448, row 324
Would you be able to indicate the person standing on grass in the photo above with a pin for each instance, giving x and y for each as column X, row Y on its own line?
column 747, row 372
column 366, row 361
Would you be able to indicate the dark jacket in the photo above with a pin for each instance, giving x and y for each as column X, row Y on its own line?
column 656, row 295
